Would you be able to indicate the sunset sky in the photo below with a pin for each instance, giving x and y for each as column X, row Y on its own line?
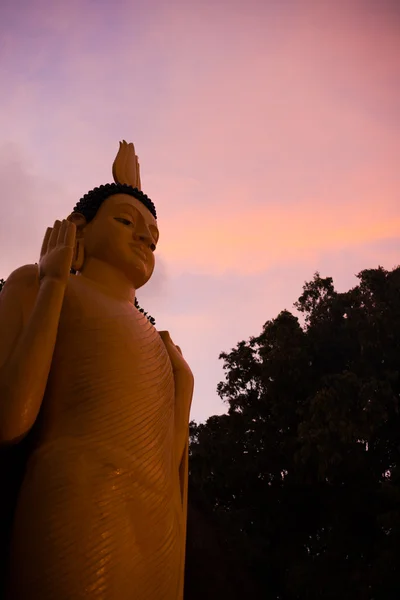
column 268, row 133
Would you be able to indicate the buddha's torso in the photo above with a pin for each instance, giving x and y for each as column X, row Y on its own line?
column 111, row 377
column 101, row 498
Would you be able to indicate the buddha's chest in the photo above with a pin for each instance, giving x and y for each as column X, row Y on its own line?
column 111, row 377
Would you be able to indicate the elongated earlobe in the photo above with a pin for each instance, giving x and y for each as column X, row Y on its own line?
column 79, row 255
column 79, row 251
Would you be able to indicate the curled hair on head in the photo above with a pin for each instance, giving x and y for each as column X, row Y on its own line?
column 90, row 203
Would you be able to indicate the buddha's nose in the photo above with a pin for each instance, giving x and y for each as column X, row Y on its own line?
column 142, row 234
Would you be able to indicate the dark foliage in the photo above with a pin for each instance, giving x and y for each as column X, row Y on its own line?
column 302, row 477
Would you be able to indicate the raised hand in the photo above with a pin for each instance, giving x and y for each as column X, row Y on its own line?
column 57, row 252
column 179, row 364
column 184, row 383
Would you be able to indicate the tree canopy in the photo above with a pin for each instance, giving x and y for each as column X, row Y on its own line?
column 302, row 475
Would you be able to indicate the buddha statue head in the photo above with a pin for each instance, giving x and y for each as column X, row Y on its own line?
column 116, row 224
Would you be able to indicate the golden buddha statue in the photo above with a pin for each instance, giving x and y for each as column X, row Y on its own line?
column 101, row 512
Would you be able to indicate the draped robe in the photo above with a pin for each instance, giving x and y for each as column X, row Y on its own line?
column 102, row 509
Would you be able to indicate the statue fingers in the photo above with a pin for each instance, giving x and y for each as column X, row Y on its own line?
column 45, row 242
column 164, row 335
column 61, row 233
column 70, row 234
column 54, row 236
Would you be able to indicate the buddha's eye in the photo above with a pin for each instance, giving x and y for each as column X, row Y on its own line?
column 124, row 221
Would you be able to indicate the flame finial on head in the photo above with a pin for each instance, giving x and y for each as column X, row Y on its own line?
column 126, row 168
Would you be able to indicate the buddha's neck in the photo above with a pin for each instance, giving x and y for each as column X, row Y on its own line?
column 108, row 279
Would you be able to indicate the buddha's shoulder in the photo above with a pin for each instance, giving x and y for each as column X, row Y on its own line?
column 24, row 277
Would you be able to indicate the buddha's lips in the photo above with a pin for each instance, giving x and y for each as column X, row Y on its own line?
column 139, row 251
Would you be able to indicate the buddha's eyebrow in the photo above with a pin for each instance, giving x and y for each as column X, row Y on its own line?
column 126, row 206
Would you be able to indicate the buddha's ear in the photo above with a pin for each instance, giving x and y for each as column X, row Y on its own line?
column 79, row 252
column 78, row 219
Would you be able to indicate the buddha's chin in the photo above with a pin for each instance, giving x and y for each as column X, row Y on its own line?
column 138, row 271
column 138, row 283
column 139, row 275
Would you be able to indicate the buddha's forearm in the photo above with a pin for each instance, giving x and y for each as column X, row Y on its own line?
column 24, row 376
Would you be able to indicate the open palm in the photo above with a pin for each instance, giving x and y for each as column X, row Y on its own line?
column 57, row 251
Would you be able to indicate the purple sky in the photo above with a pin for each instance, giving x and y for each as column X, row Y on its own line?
column 268, row 134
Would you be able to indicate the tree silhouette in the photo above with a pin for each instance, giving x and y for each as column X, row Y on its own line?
column 302, row 474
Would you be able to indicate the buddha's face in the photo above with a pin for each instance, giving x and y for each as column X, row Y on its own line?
column 124, row 235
